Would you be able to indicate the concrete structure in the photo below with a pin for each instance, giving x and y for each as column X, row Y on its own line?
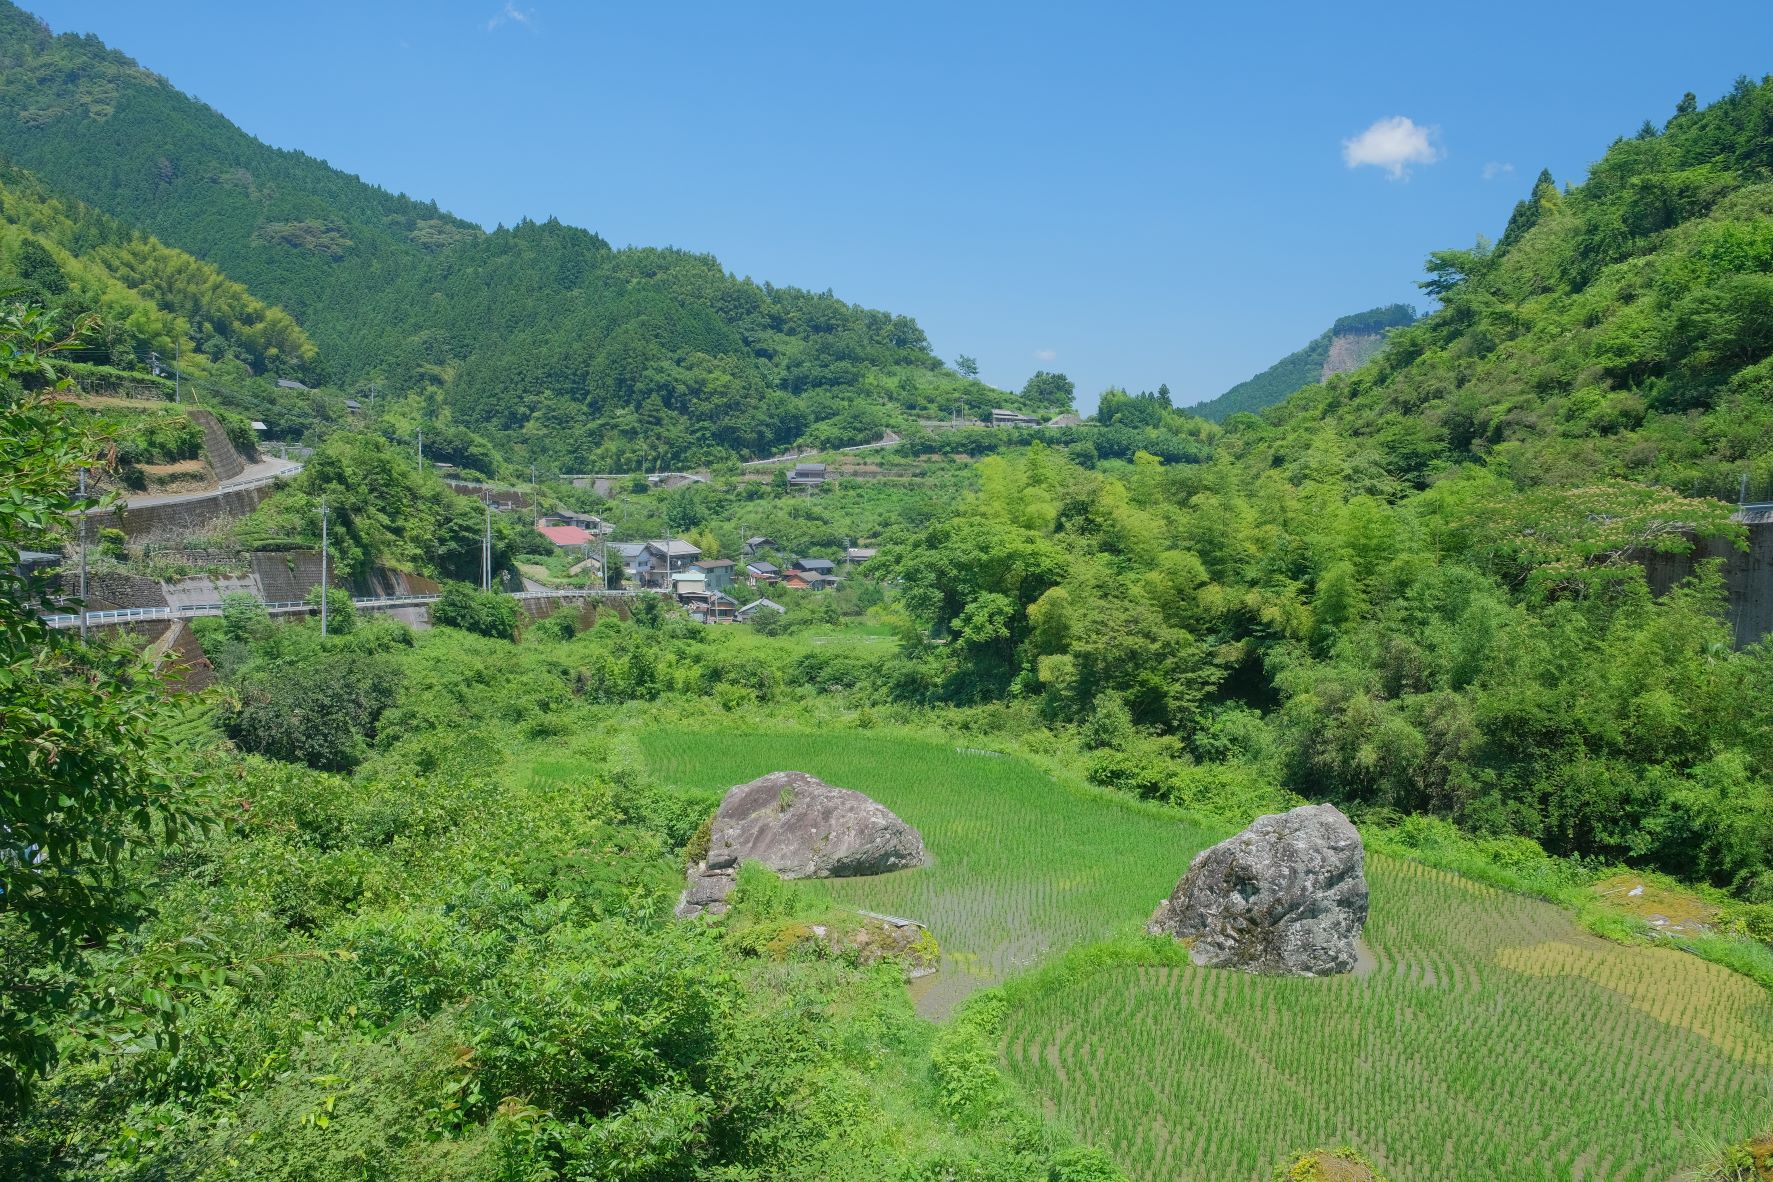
column 1748, row 577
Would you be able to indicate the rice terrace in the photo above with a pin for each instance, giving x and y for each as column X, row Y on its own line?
column 1489, row 1037
column 1088, row 621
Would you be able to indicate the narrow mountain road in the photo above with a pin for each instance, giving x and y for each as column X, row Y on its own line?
column 263, row 472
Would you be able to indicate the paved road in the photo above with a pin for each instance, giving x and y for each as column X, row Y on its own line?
column 262, row 472
column 187, row 611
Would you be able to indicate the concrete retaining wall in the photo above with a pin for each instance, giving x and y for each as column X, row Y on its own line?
column 1748, row 578
column 174, row 521
column 227, row 462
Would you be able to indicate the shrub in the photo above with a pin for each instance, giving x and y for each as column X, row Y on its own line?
column 484, row 613
column 320, row 712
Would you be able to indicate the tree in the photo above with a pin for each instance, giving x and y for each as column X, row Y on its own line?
column 1049, row 391
column 484, row 613
column 968, row 366
column 85, row 773
column 321, row 711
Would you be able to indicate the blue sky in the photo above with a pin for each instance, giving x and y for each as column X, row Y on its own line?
column 1132, row 194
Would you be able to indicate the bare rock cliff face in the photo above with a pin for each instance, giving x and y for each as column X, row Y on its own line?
column 800, row 827
column 1350, row 351
column 1286, row 897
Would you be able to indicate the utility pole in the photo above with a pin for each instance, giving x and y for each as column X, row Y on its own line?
column 486, row 551
column 178, row 355
column 83, row 555
column 323, row 567
column 535, row 495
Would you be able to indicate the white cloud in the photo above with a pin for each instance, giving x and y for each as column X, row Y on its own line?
column 511, row 14
column 1046, row 354
column 1495, row 168
column 1393, row 144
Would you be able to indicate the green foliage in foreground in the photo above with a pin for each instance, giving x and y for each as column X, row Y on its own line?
column 88, row 773
column 460, row 963
column 484, row 613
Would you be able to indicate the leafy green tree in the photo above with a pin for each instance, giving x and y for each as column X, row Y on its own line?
column 320, row 710
column 484, row 613
column 85, row 776
column 968, row 366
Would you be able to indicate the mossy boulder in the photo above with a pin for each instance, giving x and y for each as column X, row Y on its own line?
column 1341, row 1164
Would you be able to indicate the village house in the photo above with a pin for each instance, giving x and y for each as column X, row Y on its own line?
column 566, row 536
column 1012, row 418
column 709, row 607
column 663, row 559
column 806, row 475
column 631, row 557
column 815, row 566
column 719, row 572
column 588, row 522
column 857, row 555
column 757, row 545
column 763, row 572
column 756, row 606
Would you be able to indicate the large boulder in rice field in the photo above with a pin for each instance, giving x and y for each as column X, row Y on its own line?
column 1286, row 897
column 800, row 827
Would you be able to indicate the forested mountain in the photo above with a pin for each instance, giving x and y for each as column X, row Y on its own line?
column 1345, row 345
column 149, row 298
column 1421, row 587
column 1622, row 327
column 588, row 357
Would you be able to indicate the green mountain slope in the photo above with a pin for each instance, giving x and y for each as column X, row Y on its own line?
column 1345, row 345
column 1623, row 327
column 578, row 354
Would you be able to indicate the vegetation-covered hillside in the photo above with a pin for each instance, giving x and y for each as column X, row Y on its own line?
column 1623, row 327
column 147, row 298
column 592, row 359
column 1420, row 587
column 1305, row 367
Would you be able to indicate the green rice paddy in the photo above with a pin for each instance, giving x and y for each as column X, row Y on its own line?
column 1016, row 871
column 1489, row 1039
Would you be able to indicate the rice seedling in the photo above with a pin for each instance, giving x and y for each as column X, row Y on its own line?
column 1022, row 865
column 1490, row 1037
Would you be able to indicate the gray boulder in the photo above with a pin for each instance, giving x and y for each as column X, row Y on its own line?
column 1286, row 897
column 800, row 827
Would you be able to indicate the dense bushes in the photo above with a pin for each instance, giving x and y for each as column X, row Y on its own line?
column 320, row 711
column 484, row 613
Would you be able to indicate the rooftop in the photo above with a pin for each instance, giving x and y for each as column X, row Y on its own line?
column 564, row 535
